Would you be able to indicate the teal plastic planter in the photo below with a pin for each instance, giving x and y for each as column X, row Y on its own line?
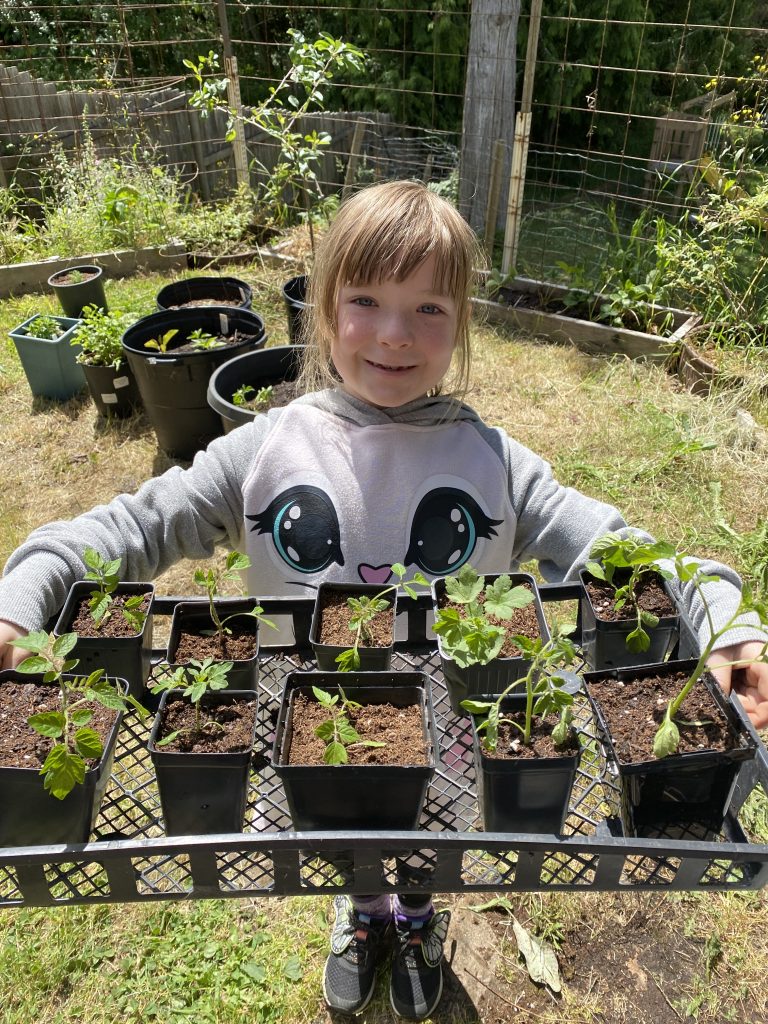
column 51, row 366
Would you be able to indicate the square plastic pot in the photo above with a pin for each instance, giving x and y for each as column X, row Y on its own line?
column 604, row 642
column 475, row 682
column 195, row 617
column 682, row 791
column 347, row 796
column 50, row 366
column 372, row 659
column 126, row 657
column 522, row 795
column 202, row 794
column 30, row 816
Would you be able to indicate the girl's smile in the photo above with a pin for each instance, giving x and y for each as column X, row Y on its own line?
column 394, row 339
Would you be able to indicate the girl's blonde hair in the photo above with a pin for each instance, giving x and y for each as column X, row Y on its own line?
column 387, row 231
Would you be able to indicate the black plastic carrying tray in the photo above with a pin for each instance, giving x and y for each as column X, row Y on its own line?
column 130, row 859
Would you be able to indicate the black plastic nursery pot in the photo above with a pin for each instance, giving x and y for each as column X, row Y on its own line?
column 126, row 657
column 372, row 659
column 523, row 795
column 74, row 296
column 174, row 385
column 256, row 369
column 113, row 389
column 604, row 642
column 211, row 291
column 202, row 793
column 680, row 792
column 195, row 617
column 347, row 796
column 295, row 298
column 31, row 816
column 480, row 681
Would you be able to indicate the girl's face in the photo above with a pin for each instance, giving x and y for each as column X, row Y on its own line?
column 394, row 339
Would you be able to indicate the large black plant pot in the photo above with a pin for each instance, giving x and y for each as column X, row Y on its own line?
column 266, row 366
column 174, row 385
column 210, row 291
column 296, row 305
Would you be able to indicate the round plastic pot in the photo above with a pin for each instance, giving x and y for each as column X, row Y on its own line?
column 372, row 659
column 349, row 796
column 476, row 682
column 30, row 816
column 195, row 617
column 294, row 296
column 127, row 657
column 74, row 297
column 173, row 386
column 50, row 366
column 681, row 792
column 202, row 794
column 258, row 370
column 605, row 642
column 114, row 391
column 523, row 795
column 218, row 291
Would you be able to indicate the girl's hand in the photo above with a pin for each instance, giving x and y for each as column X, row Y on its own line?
column 10, row 657
column 748, row 679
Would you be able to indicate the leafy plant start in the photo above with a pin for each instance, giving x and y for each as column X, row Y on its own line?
column 365, row 609
column 543, row 690
column 203, row 340
column 667, row 738
column 161, row 343
column 630, row 559
column 337, row 732
column 105, row 575
column 47, row 327
column 469, row 637
column 260, row 398
column 64, row 767
column 195, row 680
column 212, row 581
column 100, row 335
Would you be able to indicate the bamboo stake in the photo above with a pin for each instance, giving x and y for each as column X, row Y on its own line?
column 354, row 157
column 494, row 194
column 236, row 104
column 516, row 188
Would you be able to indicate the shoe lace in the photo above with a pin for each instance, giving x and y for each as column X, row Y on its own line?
column 363, row 943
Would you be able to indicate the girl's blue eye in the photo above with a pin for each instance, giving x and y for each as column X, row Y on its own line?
column 429, row 308
column 363, row 300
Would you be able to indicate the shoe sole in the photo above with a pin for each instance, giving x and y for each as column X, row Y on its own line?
column 427, row 1013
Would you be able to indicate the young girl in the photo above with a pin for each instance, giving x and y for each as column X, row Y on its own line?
column 379, row 463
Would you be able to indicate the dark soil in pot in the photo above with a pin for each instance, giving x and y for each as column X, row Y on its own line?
column 400, row 728
column 511, row 747
column 114, row 625
column 227, row 727
column 281, row 393
column 651, row 597
column 523, row 622
column 238, row 645
column 335, row 615
column 205, row 291
column 224, row 341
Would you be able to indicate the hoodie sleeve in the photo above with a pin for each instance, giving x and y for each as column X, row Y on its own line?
column 182, row 514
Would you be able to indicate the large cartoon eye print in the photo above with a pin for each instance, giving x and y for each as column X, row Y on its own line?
column 304, row 528
column 445, row 530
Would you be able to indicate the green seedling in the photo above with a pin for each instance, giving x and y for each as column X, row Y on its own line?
column 212, row 580
column 203, row 340
column 195, row 680
column 47, row 327
column 161, row 344
column 105, row 574
column 65, row 766
column 100, row 336
column 613, row 556
column 337, row 732
column 543, row 689
column 260, row 398
column 365, row 609
column 667, row 738
column 468, row 636
column 75, row 277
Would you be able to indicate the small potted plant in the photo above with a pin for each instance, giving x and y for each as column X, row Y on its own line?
column 355, row 751
column 629, row 616
column 222, row 629
column 368, row 612
column 173, row 354
column 269, row 372
column 78, row 287
column 200, row 745
column 205, row 291
column 100, row 353
column 64, row 728
column 476, row 621
column 112, row 621
column 47, row 357
column 673, row 740
column 525, row 747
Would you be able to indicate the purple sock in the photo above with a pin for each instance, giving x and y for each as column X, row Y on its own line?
column 418, row 914
column 373, row 906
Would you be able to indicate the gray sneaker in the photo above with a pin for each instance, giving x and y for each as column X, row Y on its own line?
column 357, row 940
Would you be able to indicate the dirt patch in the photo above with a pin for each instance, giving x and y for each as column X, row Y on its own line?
column 226, row 728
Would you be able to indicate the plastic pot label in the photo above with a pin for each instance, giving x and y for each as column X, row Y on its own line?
column 224, row 323
column 110, row 399
column 120, row 382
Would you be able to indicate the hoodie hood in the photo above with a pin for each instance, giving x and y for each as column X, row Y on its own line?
column 424, row 412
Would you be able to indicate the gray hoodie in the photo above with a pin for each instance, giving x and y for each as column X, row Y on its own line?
column 330, row 488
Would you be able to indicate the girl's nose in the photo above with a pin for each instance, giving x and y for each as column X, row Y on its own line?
column 395, row 332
